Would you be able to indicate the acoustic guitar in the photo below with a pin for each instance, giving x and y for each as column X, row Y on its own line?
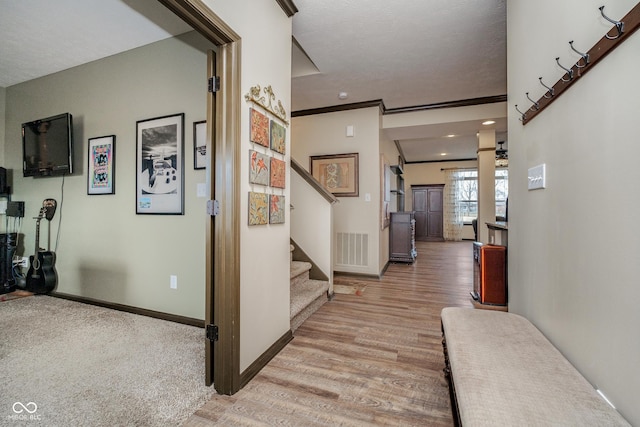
column 42, row 276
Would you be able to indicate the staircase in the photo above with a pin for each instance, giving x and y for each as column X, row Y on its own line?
column 307, row 295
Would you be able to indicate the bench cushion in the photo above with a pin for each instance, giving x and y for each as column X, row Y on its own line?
column 505, row 372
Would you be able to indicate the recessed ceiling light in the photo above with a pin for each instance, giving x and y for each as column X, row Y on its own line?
column 489, row 122
column 450, row 135
column 443, row 154
column 343, row 95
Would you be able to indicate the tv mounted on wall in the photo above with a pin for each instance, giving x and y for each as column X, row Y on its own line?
column 47, row 146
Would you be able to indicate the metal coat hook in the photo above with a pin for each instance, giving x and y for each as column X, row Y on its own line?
column 619, row 25
column 524, row 116
column 550, row 90
column 585, row 56
column 569, row 71
column 536, row 105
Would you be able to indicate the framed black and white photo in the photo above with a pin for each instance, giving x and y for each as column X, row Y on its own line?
column 101, row 165
column 200, row 145
column 160, row 165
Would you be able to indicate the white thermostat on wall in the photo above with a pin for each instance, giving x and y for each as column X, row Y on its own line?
column 536, row 177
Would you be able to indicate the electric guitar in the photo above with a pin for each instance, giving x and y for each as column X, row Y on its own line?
column 42, row 277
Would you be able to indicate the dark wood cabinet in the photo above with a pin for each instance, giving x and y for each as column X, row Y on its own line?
column 402, row 241
column 428, row 208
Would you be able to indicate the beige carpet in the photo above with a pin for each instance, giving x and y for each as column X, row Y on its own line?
column 352, row 289
column 64, row 363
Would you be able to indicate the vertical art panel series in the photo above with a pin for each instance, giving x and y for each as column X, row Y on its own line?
column 258, row 168
column 259, row 132
column 276, row 209
column 278, row 173
column 278, row 135
column 258, row 208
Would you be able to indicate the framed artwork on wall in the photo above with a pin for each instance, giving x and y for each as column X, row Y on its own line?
column 160, row 165
column 278, row 173
column 258, row 208
column 276, row 209
column 259, row 132
column 258, row 168
column 200, row 144
column 278, row 137
column 101, row 165
column 338, row 173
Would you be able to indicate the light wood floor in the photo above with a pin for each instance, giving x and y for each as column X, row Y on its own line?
column 374, row 359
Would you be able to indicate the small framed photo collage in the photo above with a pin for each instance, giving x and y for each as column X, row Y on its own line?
column 267, row 168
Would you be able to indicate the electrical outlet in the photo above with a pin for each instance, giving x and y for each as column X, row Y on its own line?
column 24, row 262
column 173, row 282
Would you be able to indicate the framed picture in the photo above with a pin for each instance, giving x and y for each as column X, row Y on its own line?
column 160, row 165
column 278, row 134
column 276, row 209
column 258, row 208
column 259, row 132
column 258, row 168
column 278, row 173
column 338, row 173
column 101, row 165
column 200, row 145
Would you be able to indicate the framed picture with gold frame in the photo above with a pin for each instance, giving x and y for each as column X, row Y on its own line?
column 338, row 173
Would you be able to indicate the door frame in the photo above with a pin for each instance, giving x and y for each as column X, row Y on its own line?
column 222, row 231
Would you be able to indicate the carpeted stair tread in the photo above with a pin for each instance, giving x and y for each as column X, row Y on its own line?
column 298, row 268
column 305, row 293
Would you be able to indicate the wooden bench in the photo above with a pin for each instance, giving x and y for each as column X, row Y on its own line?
column 503, row 371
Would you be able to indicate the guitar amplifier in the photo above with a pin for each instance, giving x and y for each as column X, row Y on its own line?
column 15, row 209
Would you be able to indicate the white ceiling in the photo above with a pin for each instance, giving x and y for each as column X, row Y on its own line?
column 405, row 52
column 40, row 37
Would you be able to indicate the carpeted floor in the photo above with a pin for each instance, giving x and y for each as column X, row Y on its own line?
column 85, row 365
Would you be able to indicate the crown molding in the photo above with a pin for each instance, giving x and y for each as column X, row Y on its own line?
column 449, row 104
column 288, row 7
column 343, row 107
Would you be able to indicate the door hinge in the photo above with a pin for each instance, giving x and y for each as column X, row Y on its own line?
column 212, row 333
column 213, row 207
column 214, row 84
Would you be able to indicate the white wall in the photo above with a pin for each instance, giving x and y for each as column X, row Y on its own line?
column 264, row 279
column 311, row 208
column 106, row 251
column 574, row 247
column 389, row 154
column 323, row 134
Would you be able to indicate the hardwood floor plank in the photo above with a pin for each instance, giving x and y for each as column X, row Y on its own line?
column 369, row 359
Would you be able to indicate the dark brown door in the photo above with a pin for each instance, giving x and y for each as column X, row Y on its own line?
column 427, row 205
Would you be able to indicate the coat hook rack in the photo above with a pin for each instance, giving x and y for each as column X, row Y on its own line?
column 524, row 116
column 619, row 25
column 568, row 70
column 585, row 56
column 550, row 91
column 624, row 28
column 536, row 105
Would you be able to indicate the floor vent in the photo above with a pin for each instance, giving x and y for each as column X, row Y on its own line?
column 352, row 249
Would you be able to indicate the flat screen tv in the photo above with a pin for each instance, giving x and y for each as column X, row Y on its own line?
column 47, row 146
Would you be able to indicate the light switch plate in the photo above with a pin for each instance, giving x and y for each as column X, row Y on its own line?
column 201, row 189
column 537, row 177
